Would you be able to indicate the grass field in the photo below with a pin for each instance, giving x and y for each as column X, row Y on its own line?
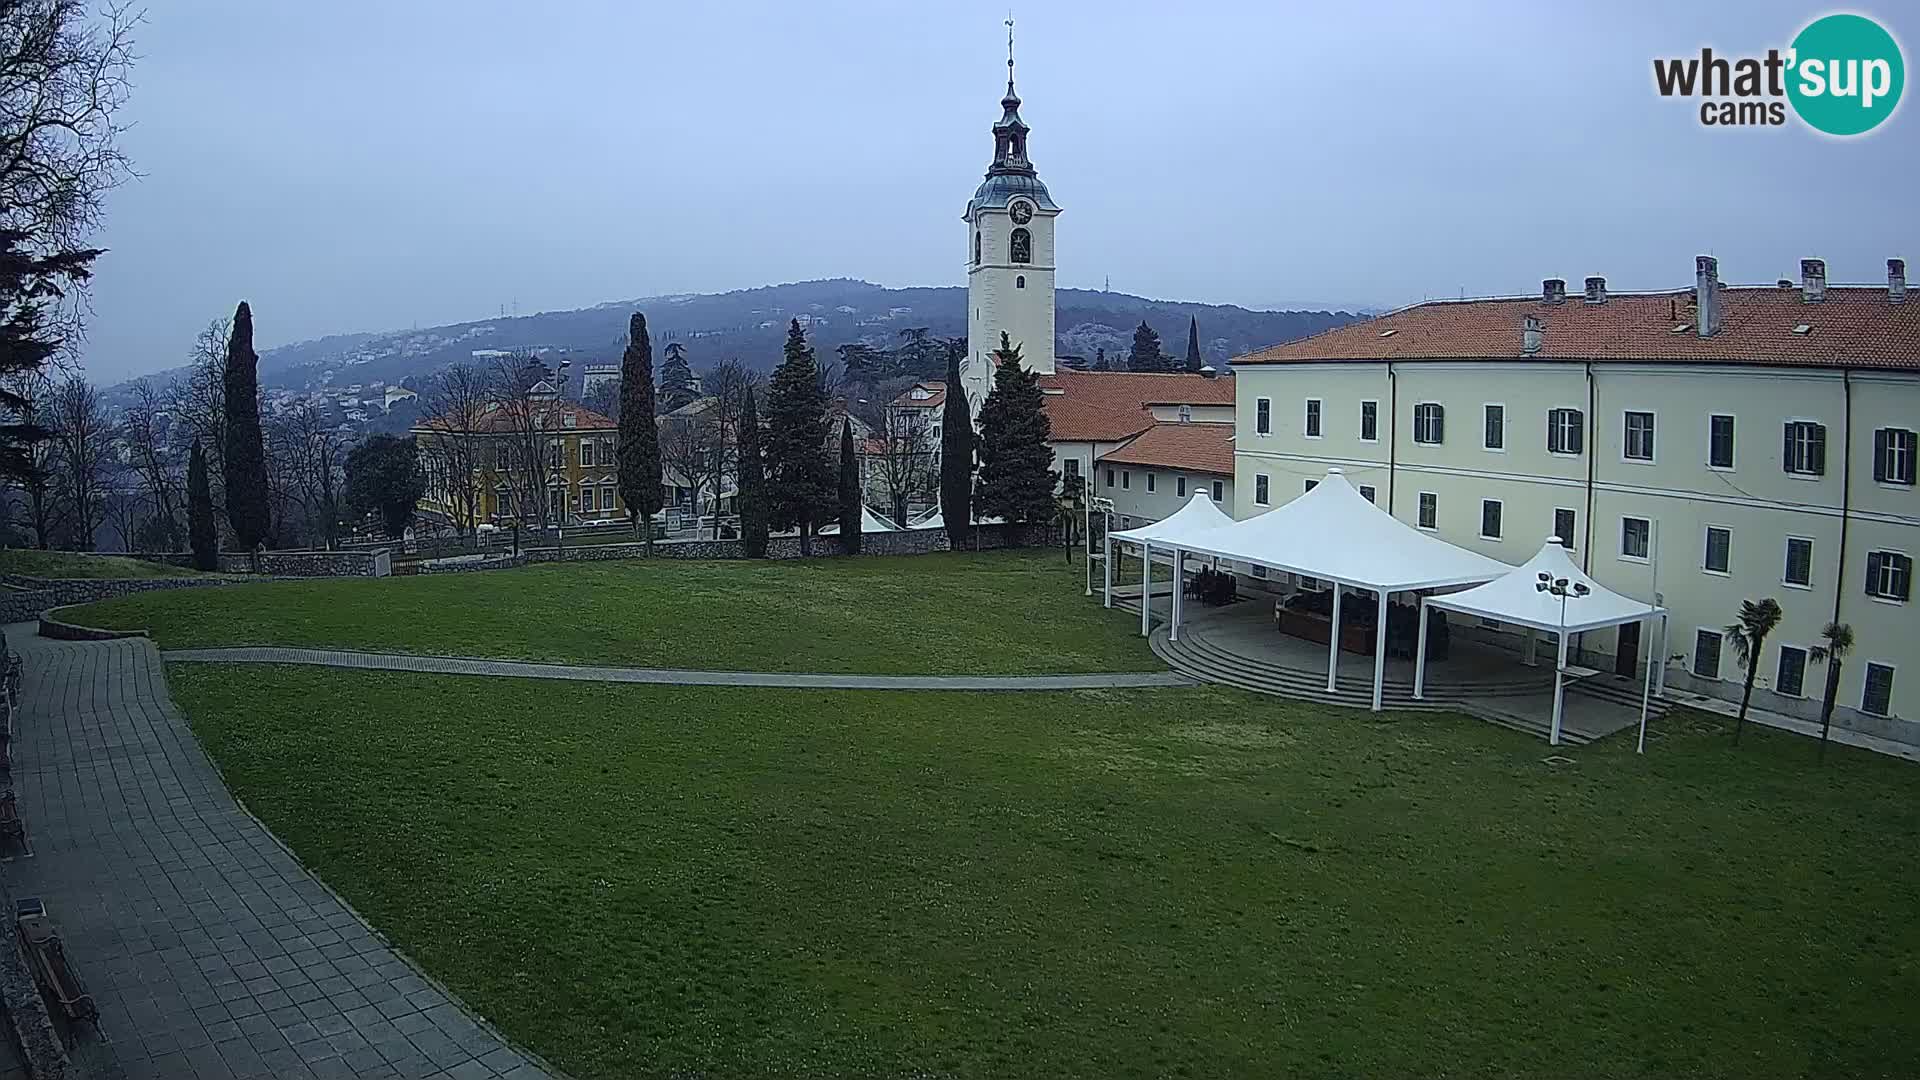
column 676, row 882
column 988, row 613
column 72, row 564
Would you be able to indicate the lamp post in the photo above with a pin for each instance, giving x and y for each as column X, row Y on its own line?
column 1561, row 588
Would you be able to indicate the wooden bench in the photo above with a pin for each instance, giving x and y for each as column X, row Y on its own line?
column 48, row 956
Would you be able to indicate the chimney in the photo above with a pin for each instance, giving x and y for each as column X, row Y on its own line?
column 1784, row 284
column 1531, row 333
column 1813, row 280
column 1897, row 280
column 1706, row 299
column 1554, row 290
column 1596, row 290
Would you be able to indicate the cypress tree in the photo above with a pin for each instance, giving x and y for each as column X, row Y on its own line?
column 203, row 534
column 639, row 440
column 1145, row 354
column 753, row 482
column 1016, row 478
column 1194, row 363
column 800, row 480
column 851, row 504
column 956, row 456
column 245, row 463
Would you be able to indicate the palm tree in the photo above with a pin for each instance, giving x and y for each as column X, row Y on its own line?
column 1838, row 638
column 1748, row 635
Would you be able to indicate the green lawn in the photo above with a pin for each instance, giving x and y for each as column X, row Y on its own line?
column 644, row 881
column 73, row 564
column 993, row 612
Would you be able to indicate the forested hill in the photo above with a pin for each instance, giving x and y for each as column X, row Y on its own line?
column 751, row 324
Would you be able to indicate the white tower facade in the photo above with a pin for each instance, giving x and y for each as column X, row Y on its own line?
column 1010, row 256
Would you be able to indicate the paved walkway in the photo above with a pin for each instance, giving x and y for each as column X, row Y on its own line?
column 452, row 665
column 211, row 952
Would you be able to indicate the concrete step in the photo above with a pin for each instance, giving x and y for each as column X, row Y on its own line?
column 1361, row 684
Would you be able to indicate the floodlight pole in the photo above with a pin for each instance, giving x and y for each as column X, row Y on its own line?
column 1653, row 598
column 1146, row 588
column 1179, row 587
column 1086, row 504
column 1420, row 656
column 1380, row 652
column 1333, row 641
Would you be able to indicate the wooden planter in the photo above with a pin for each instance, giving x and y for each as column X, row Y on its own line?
column 1311, row 627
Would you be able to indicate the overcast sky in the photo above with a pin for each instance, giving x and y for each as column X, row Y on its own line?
column 372, row 165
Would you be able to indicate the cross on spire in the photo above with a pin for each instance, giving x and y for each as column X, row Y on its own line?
column 1009, row 52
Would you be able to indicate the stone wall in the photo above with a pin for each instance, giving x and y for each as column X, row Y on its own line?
column 24, row 598
column 295, row 564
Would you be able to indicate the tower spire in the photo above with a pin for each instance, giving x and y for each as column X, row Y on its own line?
column 1010, row 134
column 1010, row 56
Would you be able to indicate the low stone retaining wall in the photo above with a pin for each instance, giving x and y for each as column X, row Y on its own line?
column 905, row 542
column 295, row 564
column 25, row 598
column 52, row 626
column 32, row 1026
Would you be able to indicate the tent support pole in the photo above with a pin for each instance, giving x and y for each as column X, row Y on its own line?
column 1106, row 571
column 1333, row 641
column 1529, row 657
column 1660, row 670
column 1380, row 652
column 1559, row 689
column 1179, row 587
column 1420, row 655
column 1646, row 691
column 1146, row 589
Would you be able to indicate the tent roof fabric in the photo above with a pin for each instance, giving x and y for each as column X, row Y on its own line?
column 1199, row 516
column 938, row 520
column 1513, row 597
column 870, row 522
column 1335, row 532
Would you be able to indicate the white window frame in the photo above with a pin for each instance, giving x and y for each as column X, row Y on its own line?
column 1786, row 563
column 1262, row 490
column 1375, row 437
column 1733, row 444
column 1313, row 418
column 1653, row 436
column 1556, row 429
column 1626, row 556
column 586, row 453
column 1890, row 598
column 1501, row 514
column 1786, row 466
column 1441, row 415
column 1263, row 417
column 1502, row 406
column 1706, row 548
column 606, row 496
column 1894, row 454
column 1780, row 659
column 1719, row 654
column 1427, row 500
column 1865, row 671
column 1150, row 484
column 1568, row 542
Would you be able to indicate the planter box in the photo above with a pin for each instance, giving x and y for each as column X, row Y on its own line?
column 1316, row 628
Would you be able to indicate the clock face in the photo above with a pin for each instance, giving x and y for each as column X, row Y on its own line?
column 1022, row 212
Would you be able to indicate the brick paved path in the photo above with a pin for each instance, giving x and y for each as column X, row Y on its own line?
column 451, row 665
column 211, row 952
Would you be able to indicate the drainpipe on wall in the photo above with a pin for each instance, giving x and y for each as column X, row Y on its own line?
column 1846, row 487
column 1593, row 429
column 1393, row 430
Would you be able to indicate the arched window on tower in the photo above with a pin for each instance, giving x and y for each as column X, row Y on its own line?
column 1020, row 282
column 1022, row 246
column 976, row 247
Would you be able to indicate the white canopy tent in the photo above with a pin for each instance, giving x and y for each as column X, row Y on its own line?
column 937, row 520
column 1549, row 593
column 870, row 522
column 1200, row 515
column 1334, row 532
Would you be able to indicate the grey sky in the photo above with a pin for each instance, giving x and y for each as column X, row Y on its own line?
column 371, row 165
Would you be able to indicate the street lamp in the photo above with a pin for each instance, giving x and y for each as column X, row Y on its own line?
column 1563, row 589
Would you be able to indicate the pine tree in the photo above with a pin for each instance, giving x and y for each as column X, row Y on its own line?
column 800, row 480
column 676, row 378
column 204, row 535
column 753, row 482
column 245, row 460
column 639, row 445
column 851, row 504
column 956, row 456
column 1016, row 479
column 31, row 285
column 1099, row 359
column 1194, row 363
column 1145, row 354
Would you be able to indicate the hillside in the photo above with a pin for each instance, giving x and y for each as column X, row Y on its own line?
column 751, row 324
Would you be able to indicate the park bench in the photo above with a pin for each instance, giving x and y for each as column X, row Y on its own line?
column 48, row 957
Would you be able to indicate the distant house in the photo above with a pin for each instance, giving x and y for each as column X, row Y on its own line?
column 579, row 474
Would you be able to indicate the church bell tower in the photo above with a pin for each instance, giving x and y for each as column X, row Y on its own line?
column 1010, row 254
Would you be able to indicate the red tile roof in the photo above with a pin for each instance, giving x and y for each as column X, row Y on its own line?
column 1855, row 326
column 934, row 400
column 1107, row 406
column 1204, row 448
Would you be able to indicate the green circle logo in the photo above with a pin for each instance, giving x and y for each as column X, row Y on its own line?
column 1846, row 74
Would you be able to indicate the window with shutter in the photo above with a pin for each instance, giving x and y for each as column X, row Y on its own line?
column 1720, row 441
column 1876, row 696
column 1893, row 455
column 1889, row 575
column 1565, row 431
column 1803, row 450
column 1791, row 676
column 1799, row 561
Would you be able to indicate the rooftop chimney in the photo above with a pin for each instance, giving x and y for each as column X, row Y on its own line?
column 1784, row 283
column 1596, row 290
column 1531, row 333
column 1706, row 301
column 1813, row 280
column 1554, row 290
column 1897, row 280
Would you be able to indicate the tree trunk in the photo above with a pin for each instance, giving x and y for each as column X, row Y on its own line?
column 1826, row 705
column 1746, row 695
